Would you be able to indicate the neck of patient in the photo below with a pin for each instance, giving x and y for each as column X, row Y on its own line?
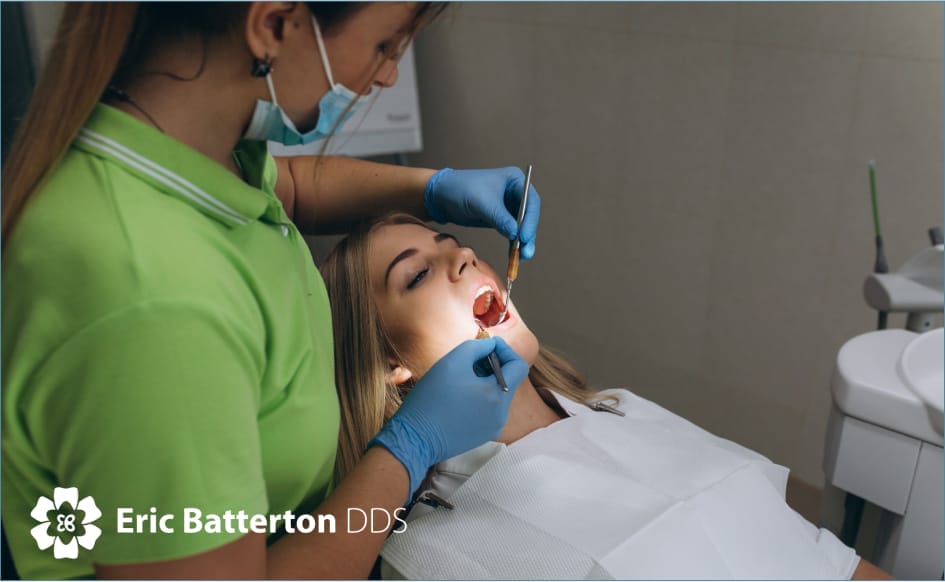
column 528, row 412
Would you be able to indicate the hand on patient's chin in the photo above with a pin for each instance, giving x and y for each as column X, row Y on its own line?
column 451, row 409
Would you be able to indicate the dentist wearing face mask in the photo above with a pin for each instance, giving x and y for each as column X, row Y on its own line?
column 270, row 122
column 167, row 341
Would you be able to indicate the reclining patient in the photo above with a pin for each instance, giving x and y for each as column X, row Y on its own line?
column 580, row 484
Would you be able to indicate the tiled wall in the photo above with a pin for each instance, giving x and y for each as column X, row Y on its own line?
column 706, row 225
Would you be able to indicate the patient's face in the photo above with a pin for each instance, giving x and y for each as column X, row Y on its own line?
column 433, row 294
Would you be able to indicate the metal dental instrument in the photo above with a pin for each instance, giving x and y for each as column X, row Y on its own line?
column 494, row 362
column 512, row 272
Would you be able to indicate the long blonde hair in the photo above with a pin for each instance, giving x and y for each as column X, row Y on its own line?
column 363, row 349
column 83, row 58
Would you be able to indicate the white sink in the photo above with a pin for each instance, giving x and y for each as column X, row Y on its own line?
column 922, row 369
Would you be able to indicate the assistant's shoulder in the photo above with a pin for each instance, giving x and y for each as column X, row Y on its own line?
column 94, row 240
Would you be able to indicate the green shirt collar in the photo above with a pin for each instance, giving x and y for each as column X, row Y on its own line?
column 178, row 170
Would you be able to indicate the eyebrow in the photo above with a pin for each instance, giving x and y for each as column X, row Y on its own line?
column 438, row 237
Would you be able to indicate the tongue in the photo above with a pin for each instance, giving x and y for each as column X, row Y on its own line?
column 481, row 305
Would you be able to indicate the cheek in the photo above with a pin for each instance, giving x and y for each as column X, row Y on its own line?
column 530, row 349
column 525, row 344
column 354, row 67
column 431, row 343
column 436, row 326
column 424, row 335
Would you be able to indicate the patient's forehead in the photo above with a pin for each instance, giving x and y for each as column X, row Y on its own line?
column 387, row 241
column 401, row 232
column 390, row 239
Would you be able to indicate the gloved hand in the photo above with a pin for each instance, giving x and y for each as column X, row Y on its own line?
column 484, row 198
column 451, row 409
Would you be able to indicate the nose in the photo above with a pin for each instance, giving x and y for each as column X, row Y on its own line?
column 387, row 75
column 463, row 257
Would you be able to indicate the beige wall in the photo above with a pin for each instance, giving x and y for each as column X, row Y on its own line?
column 703, row 169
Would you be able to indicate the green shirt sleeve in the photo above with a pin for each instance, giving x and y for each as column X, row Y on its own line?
column 155, row 406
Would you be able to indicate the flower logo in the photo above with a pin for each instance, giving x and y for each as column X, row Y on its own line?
column 65, row 523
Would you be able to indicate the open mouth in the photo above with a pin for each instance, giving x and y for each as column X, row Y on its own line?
column 488, row 307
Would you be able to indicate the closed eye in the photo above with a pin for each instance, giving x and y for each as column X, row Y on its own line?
column 406, row 254
column 418, row 278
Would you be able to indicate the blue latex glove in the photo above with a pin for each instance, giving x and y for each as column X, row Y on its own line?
column 452, row 409
column 484, row 198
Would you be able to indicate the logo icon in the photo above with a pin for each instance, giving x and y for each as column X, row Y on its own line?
column 65, row 523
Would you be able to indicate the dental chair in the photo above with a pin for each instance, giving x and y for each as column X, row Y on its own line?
column 885, row 433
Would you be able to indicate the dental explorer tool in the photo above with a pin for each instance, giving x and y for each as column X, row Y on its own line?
column 494, row 362
column 512, row 272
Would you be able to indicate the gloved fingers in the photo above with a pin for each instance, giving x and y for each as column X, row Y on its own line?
column 472, row 350
column 500, row 218
column 513, row 197
column 430, row 193
column 514, row 373
column 504, row 350
column 482, row 368
column 514, row 368
column 530, row 224
column 527, row 251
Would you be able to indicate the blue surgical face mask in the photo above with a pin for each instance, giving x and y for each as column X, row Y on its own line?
column 269, row 121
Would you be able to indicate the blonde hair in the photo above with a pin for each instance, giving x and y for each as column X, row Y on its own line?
column 96, row 44
column 363, row 349
column 84, row 56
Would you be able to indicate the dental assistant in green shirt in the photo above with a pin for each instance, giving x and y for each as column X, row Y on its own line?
column 166, row 338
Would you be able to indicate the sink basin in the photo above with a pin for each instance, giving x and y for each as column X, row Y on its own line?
column 922, row 369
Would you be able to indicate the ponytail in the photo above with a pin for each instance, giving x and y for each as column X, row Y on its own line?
column 85, row 54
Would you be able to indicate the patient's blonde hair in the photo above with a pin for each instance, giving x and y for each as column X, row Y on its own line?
column 363, row 349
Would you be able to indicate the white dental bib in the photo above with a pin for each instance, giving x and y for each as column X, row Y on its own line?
column 599, row 496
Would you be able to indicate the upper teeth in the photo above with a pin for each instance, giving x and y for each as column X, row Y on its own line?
column 483, row 290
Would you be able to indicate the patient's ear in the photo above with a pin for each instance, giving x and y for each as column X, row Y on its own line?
column 398, row 375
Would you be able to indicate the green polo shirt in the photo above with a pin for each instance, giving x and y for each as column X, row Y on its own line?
column 166, row 343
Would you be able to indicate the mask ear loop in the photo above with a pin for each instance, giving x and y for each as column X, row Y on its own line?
column 321, row 51
column 272, row 89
